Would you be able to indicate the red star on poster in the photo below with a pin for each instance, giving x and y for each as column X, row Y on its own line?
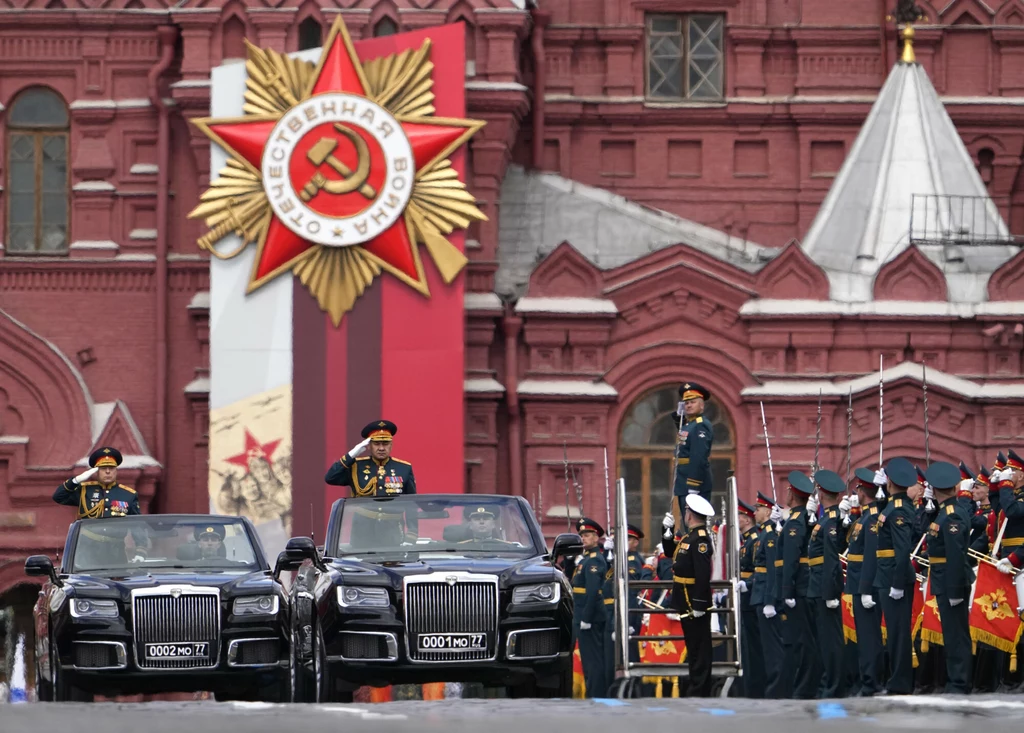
column 354, row 164
column 254, row 449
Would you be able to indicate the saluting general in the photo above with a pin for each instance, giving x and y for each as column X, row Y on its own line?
column 693, row 466
column 104, row 497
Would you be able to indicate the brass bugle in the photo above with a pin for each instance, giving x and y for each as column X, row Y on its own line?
column 980, row 556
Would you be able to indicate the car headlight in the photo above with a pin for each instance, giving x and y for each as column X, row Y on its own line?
column 352, row 596
column 255, row 606
column 540, row 593
column 93, row 608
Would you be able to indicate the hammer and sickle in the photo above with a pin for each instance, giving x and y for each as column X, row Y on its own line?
column 323, row 152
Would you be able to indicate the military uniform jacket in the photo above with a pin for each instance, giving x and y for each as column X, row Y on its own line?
column 747, row 565
column 825, row 571
column 1011, row 503
column 792, row 560
column 869, row 568
column 95, row 500
column 588, row 600
column 895, row 543
column 693, row 469
column 691, row 572
column 979, row 529
column 369, row 478
column 855, row 558
column 763, row 591
column 949, row 569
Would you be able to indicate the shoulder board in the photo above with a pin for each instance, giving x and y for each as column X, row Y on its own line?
column 399, row 460
column 699, row 419
column 702, row 533
column 632, row 557
column 363, row 458
column 831, row 513
column 90, row 483
column 949, row 509
column 898, row 503
column 874, row 510
column 769, row 529
column 592, row 553
column 126, row 488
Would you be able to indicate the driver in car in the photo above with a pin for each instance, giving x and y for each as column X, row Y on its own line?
column 483, row 525
column 211, row 542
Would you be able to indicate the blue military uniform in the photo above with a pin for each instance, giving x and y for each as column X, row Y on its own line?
column 825, row 586
column 367, row 476
column 588, row 612
column 860, row 576
column 762, row 595
column 696, row 436
column 753, row 679
column 801, row 663
column 894, row 572
column 95, row 499
column 950, row 578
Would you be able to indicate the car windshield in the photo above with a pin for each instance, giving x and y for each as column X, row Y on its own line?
column 154, row 541
column 424, row 523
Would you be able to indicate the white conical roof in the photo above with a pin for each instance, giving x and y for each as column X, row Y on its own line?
column 908, row 146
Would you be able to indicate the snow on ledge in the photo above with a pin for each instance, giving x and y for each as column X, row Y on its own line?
column 566, row 388
column 869, row 382
column 601, row 306
column 783, row 307
column 484, row 385
column 481, row 302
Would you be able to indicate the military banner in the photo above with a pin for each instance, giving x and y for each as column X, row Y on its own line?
column 926, row 617
column 849, row 626
column 994, row 621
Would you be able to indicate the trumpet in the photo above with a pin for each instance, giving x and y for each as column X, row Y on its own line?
column 980, row 556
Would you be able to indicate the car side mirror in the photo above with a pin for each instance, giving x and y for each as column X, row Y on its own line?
column 567, row 543
column 40, row 565
column 298, row 550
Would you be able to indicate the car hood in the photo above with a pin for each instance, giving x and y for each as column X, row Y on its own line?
column 120, row 585
column 510, row 571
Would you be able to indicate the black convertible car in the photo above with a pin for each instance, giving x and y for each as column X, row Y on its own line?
column 432, row 588
column 161, row 603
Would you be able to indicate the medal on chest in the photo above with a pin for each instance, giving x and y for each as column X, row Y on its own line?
column 393, row 483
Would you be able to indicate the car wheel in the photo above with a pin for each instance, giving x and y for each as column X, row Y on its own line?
column 322, row 687
column 63, row 690
column 44, row 690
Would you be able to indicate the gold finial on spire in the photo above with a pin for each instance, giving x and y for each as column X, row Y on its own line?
column 908, row 45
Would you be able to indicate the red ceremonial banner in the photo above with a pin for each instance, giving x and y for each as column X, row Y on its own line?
column 849, row 627
column 927, row 618
column 662, row 652
column 994, row 620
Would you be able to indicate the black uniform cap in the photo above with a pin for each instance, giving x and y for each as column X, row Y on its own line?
column 943, row 476
column 380, row 431
column 691, row 390
column 830, row 482
column 800, row 483
column 633, row 531
column 866, row 476
column 901, row 472
column 105, row 457
column 204, row 529
column 586, row 524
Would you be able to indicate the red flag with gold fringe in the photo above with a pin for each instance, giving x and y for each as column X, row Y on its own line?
column 928, row 620
column 849, row 627
column 993, row 619
column 661, row 652
column 579, row 688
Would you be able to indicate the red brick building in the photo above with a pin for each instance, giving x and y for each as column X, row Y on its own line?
column 650, row 170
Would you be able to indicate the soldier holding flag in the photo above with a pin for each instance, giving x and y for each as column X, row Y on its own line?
column 696, row 436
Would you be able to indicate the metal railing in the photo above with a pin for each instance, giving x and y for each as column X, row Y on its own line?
column 727, row 639
column 958, row 220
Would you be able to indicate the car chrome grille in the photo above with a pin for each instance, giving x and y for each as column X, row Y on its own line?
column 162, row 618
column 466, row 606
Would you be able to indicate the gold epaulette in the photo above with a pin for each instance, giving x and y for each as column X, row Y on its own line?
column 90, row 483
column 363, row 458
column 702, row 533
column 399, row 460
column 699, row 419
column 129, row 489
column 949, row 509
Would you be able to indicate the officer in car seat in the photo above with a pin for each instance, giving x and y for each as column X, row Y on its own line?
column 211, row 542
column 482, row 524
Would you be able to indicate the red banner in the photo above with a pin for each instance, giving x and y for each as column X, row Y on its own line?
column 849, row 627
column 579, row 688
column 927, row 618
column 994, row 621
column 662, row 652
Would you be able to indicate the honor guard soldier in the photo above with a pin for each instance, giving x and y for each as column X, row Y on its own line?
column 696, row 436
column 950, row 576
column 762, row 597
column 377, row 475
column 588, row 608
column 801, row 657
column 103, row 497
column 753, row 662
column 894, row 575
column 1011, row 503
column 691, row 592
column 860, row 578
column 825, row 582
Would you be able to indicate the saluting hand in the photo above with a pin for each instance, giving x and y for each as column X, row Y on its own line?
column 84, row 475
column 359, row 449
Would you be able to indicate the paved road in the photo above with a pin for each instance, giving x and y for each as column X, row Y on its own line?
column 926, row 714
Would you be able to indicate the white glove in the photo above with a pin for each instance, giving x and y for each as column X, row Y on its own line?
column 693, row 491
column 791, row 602
column 669, row 521
column 1005, row 566
column 359, row 449
column 844, row 505
column 955, row 601
column 867, row 601
column 1005, row 474
column 584, row 625
column 880, row 478
column 672, row 616
column 776, row 513
column 896, row 593
column 650, row 560
column 613, row 636
column 609, row 543
column 854, row 501
column 138, row 558
column 832, row 604
column 812, row 505
column 742, row 586
column 929, row 492
column 84, row 475
column 697, row 614
column 768, row 611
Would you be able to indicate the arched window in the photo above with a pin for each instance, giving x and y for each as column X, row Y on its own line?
column 37, row 173
column 647, row 442
column 385, row 27
column 310, row 34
